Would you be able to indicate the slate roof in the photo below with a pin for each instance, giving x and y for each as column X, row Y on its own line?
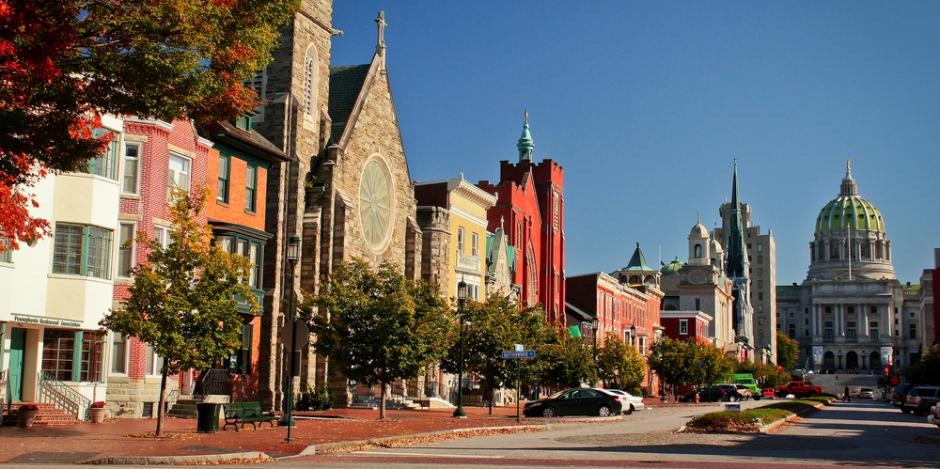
column 246, row 140
column 638, row 262
column 345, row 85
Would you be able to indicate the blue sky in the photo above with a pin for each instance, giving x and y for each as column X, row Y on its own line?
column 646, row 104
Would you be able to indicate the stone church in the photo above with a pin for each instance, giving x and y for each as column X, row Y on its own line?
column 347, row 191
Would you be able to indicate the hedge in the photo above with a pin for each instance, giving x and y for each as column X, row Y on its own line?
column 749, row 421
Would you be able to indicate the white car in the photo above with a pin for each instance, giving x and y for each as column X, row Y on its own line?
column 934, row 415
column 629, row 401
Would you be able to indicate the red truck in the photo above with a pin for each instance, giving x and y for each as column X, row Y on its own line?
column 798, row 389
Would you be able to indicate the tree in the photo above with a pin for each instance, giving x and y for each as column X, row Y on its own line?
column 619, row 365
column 65, row 63
column 377, row 325
column 566, row 361
column 927, row 370
column 684, row 363
column 492, row 327
column 787, row 351
column 184, row 300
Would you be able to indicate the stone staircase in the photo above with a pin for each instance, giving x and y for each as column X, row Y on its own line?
column 184, row 409
column 49, row 415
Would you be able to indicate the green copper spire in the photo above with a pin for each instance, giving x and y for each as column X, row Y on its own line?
column 525, row 144
column 737, row 257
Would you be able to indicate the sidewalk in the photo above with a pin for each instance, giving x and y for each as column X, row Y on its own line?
column 85, row 441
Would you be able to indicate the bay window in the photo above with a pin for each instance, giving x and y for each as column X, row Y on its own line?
column 179, row 174
column 131, row 179
column 82, row 250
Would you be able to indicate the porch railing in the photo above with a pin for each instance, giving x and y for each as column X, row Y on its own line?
column 59, row 394
column 214, row 381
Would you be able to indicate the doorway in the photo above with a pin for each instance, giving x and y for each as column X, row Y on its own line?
column 17, row 360
column 851, row 361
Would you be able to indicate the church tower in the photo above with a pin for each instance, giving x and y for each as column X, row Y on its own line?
column 699, row 246
column 736, row 268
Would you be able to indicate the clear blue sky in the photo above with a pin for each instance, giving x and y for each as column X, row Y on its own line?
column 646, row 104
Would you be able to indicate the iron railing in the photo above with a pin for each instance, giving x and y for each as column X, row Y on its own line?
column 214, row 381
column 59, row 394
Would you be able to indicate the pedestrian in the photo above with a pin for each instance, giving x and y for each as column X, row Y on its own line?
column 845, row 395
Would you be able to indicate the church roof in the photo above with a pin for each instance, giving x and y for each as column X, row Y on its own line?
column 849, row 210
column 345, row 85
column 638, row 262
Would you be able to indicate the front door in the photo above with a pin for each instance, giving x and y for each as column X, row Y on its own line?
column 17, row 351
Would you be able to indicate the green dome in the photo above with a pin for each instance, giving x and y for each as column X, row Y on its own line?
column 849, row 211
column 672, row 267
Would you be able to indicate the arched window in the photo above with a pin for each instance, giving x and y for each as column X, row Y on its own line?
column 698, row 251
column 311, row 70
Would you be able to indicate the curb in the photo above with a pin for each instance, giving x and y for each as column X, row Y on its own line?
column 768, row 427
column 200, row 459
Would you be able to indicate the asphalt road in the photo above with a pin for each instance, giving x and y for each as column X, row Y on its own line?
column 866, row 433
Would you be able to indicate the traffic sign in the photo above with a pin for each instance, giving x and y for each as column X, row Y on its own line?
column 509, row 354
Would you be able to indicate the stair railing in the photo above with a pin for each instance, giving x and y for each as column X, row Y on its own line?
column 59, row 394
column 170, row 401
column 214, row 381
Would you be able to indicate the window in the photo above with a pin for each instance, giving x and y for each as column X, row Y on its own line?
column 683, row 327
column 760, row 296
column 460, row 236
column 760, row 284
column 697, row 251
column 58, row 353
column 82, row 250
column 153, row 363
column 311, row 63
column 851, row 332
column 791, row 331
column 873, row 329
column 912, row 331
column 222, row 185
column 698, row 304
column 161, row 235
column 760, row 259
column 251, row 187
column 6, row 255
column 254, row 255
column 240, row 363
column 254, row 251
column 92, row 356
column 126, row 250
column 556, row 210
column 104, row 164
column 119, row 354
column 179, row 172
column 474, row 240
column 827, row 331
column 760, row 247
column 130, row 181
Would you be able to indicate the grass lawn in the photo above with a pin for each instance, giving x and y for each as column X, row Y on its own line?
column 752, row 419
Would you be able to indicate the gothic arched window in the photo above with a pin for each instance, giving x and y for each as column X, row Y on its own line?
column 311, row 63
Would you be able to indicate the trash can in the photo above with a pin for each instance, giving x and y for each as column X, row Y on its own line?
column 208, row 417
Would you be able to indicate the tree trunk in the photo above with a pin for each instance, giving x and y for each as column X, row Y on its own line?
column 492, row 394
column 382, row 401
column 161, row 400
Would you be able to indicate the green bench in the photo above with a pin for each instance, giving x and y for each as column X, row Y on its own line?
column 241, row 413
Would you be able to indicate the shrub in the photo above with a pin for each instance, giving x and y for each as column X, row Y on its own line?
column 749, row 421
column 318, row 399
column 29, row 407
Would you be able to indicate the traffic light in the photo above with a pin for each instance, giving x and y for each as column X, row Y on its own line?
column 887, row 370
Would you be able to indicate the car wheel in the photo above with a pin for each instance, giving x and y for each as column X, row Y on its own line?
column 629, row 410
column 604, row 411
column 548, row 412
column 919, row 412
column 905, row 410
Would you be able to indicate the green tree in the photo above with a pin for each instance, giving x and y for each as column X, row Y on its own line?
column 490, row 328
column 565, row 361
column 927, row 370
column 713, row 365
column 787, row 351
column 673, row 361
column 377, row 325
column 619, row 365
column 184, row 298
column 64, row 63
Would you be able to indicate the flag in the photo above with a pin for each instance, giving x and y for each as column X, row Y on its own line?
column 574, row 331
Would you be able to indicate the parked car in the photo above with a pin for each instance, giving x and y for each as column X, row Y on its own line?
column 628, row 401
column 733, row 393
column 866, row 393
column 748, row 380
column 934, row 416
column 768, row 393
column 799, row 389
column 576, row 401
column 746, row 392
column 921, row 399
column 899, row 395
column 711, row 394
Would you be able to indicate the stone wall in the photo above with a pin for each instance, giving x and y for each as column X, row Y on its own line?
column 127, row 396
column 435, row 255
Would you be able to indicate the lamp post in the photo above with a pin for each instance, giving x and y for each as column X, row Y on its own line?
column 633, row 335
column 594, row 326
column 293, row 252
column 461, row 300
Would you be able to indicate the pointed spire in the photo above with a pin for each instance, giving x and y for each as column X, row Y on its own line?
column 525, row 144
column 698, row 217
column 849, row 187
column 734, row 185
column 380, row 24
column 736, row 255
column 638, row 261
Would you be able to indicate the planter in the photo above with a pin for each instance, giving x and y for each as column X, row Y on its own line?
column 25, row 418
column 98, row 414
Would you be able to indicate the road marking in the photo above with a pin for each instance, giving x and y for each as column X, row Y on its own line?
column 434, row 455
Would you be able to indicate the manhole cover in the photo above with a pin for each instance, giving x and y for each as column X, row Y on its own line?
column 44, row 457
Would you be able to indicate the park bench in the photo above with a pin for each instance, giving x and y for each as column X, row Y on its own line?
column 241, row 413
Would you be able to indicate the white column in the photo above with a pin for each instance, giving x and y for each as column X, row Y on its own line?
column 864, row 320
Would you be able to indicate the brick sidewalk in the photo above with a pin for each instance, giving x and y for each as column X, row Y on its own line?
column 124, row 437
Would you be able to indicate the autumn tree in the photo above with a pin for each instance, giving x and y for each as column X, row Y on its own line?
column 566, row 361
column 490, row 328
column 619, row 365
column 376, row 325
column 65, row 63
column 787, row 351
column 184, row 299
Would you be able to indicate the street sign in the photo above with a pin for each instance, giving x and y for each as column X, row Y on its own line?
column 510, row 355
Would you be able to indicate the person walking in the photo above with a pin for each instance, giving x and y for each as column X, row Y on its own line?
column 845, row 395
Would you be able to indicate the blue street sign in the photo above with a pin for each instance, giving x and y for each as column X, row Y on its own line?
column 509, row 354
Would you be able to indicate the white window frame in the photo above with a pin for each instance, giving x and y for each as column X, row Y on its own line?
column 474, row 240
column 189, row 173
column 127, row 355
column 124, row 158
column 460, row 239
column 683, row 327
column 163, row 239
column 153, row 363
column 117, row 265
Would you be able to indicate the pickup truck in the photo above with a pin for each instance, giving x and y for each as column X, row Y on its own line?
column 798, row 389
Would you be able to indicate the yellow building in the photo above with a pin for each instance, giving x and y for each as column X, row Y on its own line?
column 452, row 216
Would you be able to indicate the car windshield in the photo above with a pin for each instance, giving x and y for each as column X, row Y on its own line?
column 557, row 394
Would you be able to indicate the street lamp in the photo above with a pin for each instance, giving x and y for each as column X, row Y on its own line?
column 633, row 335
column 461, row 300
column 293, row 254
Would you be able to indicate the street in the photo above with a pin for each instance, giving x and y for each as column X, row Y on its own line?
column 869, row 433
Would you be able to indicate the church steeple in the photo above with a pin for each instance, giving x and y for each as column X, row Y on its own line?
column 737, row 256
column 525, row 144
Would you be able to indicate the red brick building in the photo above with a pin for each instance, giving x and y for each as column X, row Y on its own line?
column 686, row 325
column 155, row 155
column 530, row 206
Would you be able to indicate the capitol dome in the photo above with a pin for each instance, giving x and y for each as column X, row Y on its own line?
column 849, row 212
column 672, row 267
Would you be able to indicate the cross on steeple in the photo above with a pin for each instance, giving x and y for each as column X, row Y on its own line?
column 381, row 24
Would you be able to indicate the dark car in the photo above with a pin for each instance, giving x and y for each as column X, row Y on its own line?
column 899, row 395
column 717, row 393
column 921, row 399
column 732, row 393
column 577, row 401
